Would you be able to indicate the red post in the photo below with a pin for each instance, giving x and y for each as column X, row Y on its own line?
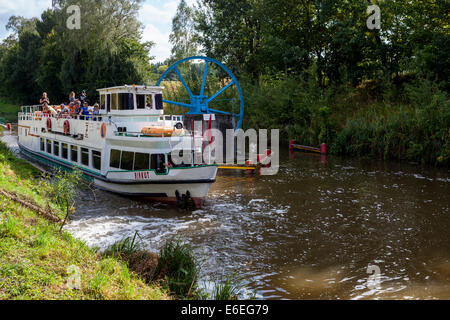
column 323, row 148
column 8, row 126
column 291, row 145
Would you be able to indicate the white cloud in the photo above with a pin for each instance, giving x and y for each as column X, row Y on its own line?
column 157, row 20
column 161, row 50
column 25, row 8
column 159, row 16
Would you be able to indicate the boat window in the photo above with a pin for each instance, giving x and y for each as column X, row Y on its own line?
column 140, row 101
column 49, row 146
column 141, row 161
column 125, row 101
column 64, row 150
column 108, row 102
column 56, row 148
column 85, row 156
column 102, row 102
column 74, row 154
column 42, row 144
column 157, row 163
column 114, row 160
column 158, row 102
column 114, row 101
column 149, row 101
column 126, row 162
column 96, row 159
column 184, row 159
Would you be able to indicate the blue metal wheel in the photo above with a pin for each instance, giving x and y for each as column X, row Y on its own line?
column 199, row 104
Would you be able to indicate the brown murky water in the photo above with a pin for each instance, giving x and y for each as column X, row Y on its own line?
column 309, row 232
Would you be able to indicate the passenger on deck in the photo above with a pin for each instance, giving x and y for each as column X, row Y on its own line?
column 83, row 97
column 84, row 112
column 45, row 109
column 44, row 99
column 96, row 112
column 72, row 97
column 77, row 108
column 64, row 111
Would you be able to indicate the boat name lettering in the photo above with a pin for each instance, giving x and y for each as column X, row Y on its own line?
column 141, row 175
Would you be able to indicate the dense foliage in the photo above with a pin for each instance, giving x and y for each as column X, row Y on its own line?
column 312, row 68
column 315, row 70
column 44, row 55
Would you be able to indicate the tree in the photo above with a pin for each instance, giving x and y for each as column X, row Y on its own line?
column 44, row 55
column 183, row 36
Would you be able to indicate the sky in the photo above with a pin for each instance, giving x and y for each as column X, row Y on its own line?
column 156, row 15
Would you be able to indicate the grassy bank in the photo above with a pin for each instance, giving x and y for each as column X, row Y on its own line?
column 8, row 110
column 35, row 257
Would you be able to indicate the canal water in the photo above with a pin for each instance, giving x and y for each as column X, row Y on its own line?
column 334, row 229
column 340, row 229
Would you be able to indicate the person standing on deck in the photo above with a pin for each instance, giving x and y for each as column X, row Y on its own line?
column 83, row 97
column 72, row 97
column 44, row 99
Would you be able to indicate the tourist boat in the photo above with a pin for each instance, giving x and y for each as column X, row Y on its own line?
column 126, row 149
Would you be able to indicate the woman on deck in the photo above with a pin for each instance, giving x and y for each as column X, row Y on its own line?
column 72, row 97
column 44, row 99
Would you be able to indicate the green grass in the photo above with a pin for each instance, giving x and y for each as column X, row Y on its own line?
column 226, row 289
column 35, row 257
column 125, row 247
column 8, row 110
column 179, row 268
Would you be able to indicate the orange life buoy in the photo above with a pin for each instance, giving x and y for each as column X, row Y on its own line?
column 49, row 124
column 103, row 130
column 66, row 127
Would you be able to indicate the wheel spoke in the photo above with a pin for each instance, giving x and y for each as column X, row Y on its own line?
column 204, row 78
column 180, row 104
column 183, row 82
column 221, row 90
column 218, row 111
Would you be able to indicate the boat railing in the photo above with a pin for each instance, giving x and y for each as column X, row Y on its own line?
column 144, row 135
column 35, row 116
column 35, row 113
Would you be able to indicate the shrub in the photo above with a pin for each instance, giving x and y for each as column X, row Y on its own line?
column 178, row 265
column 226, row 289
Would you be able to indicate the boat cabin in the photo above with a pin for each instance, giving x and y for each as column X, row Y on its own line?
column 131, row 100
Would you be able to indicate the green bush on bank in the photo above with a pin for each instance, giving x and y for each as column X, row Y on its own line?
column 379, row 119
column 401, row 118
column 179, row 267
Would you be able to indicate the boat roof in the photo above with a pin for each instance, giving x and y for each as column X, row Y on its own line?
column 137, row 88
